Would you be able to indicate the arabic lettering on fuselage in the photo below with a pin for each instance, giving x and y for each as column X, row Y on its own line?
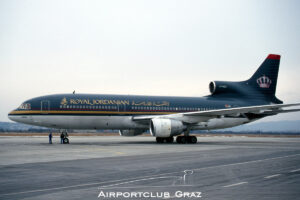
column 92, row 102
column 151, row 103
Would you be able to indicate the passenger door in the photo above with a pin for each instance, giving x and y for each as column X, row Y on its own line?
column 45, row 106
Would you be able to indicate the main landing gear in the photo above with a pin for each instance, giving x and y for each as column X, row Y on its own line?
column 186, row 139
column 64, row 137
column 179, row 139
column 165, row 139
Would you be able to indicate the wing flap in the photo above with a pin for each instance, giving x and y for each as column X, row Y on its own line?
column 281, row 111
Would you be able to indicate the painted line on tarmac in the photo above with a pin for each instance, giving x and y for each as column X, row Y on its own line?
column 82, row 185
column 246, row 162
column 272, row 176
column 137, row 180
column 235, row 184
column 295, row 170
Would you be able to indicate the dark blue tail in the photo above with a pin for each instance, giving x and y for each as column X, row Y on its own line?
column 261, row 86
column 264, row 80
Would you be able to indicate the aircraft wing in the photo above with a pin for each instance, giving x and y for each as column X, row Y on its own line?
column 193, row 117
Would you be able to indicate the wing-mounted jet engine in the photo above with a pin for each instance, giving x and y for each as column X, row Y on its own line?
column 165, row 129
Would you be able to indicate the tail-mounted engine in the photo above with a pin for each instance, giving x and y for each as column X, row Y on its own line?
column 221, row 87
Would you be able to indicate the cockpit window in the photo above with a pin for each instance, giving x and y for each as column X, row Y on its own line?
column 25, row 106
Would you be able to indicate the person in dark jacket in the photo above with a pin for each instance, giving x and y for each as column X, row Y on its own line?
column 50, row 138
column 62, row 138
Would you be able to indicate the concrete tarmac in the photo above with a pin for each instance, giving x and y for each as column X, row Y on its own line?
column 102, row 167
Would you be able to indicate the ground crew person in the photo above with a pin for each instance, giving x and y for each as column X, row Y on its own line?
column 62, row 138
column 50, row 138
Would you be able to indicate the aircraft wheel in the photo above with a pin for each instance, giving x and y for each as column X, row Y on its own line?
column 159, row 140
column 184, row 140
column 193, row 139
column 181, row 139
column 169, row 140
column 178, row 139
column 66, row 141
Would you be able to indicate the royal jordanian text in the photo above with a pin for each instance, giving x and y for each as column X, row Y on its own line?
column 92, row 102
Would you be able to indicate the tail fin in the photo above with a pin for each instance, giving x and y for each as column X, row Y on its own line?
column 264, row 79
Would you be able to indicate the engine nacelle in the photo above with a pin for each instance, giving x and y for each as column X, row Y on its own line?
column 131, row 132
column 218, row 87
column 166, row 127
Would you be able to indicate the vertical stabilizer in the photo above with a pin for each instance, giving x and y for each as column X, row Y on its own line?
column 264, row 79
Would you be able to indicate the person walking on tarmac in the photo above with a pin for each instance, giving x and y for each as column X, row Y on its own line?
column 62, row 138
column 50, row 138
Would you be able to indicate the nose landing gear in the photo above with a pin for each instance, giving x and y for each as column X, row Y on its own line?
column 66, row 141
column 64, row 137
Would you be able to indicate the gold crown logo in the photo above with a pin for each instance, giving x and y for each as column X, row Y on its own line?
column 64, row 101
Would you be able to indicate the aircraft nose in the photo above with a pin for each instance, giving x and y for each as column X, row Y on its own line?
column 11, row 115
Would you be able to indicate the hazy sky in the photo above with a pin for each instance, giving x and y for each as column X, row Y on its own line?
column 143, row 47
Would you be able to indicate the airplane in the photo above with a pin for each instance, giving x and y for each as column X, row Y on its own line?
column 229, row 104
